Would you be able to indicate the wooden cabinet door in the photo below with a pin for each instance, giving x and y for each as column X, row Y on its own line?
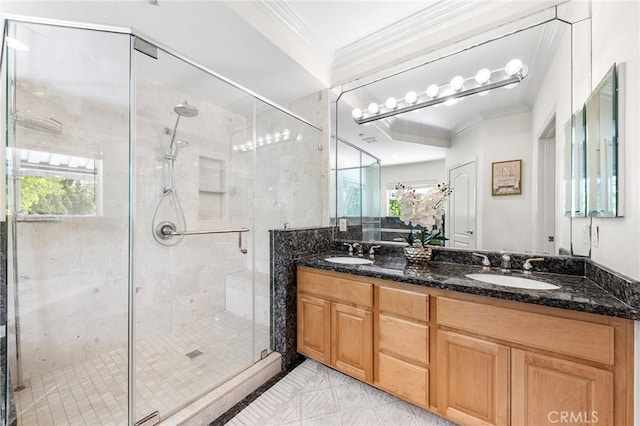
column 351, row 341
column 314, row 328
column 473, row 380
column 549, row 391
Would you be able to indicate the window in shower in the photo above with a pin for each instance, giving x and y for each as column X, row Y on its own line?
column 55, row 185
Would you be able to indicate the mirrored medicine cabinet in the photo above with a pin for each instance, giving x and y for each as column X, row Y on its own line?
column 593, row 176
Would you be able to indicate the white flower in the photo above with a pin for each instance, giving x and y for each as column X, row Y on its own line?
column 425, row 209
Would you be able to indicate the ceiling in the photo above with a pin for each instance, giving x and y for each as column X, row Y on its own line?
column 285, row 50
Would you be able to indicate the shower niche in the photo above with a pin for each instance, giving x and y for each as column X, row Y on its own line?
column 211, row 188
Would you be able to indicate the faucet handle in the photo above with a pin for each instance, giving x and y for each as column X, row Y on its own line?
column 350, row 248
column 485, row 260
column 371, row 251
column 358, row 246
column 527, row 264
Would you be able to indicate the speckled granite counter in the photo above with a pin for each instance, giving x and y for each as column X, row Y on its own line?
column 575, row 293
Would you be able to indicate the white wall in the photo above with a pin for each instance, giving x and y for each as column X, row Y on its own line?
column 615, row 39
column 554, row 98
column 408, row 173
column 499, row 218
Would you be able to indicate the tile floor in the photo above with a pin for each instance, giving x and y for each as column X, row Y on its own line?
column 95, row 392
column 313, row 394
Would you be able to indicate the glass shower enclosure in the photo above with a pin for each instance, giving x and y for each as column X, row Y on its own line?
column 140, row 188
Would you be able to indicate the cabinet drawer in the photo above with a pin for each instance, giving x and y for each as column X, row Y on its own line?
column 404, row 303
column 404, row 339
column 562, row 335
column 404, row 379
column 333, row 288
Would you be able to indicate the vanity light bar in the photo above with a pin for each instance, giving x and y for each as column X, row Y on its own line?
column 458, row 88
column 268, row 139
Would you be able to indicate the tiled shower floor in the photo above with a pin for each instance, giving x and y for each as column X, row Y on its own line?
column 95, row 392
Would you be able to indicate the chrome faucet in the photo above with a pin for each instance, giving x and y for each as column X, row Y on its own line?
column 505, row 265
column 527, row 268
column 358, row 246
column 486, row 265
column 372, row 251
column 350, row 248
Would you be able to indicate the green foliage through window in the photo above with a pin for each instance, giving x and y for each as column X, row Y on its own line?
column 57, row 196
column 394, row 208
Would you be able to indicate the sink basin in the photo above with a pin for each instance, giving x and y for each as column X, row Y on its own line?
column 349, row 260
column 510, row 281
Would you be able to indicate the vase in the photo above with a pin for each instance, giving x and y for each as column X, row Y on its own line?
column 417, row 254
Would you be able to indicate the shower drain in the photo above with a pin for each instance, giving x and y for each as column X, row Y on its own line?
column 193, row 354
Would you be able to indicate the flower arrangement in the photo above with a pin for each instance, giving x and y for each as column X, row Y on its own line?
column 423, row 212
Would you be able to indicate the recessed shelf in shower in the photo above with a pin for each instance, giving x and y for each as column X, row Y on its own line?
column 211, row 188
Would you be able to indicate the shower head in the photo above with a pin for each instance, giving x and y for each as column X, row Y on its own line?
column 185, row 110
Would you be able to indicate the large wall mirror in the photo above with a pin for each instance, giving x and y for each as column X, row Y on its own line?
column 464, row 140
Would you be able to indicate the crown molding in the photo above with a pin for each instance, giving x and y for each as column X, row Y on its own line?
column 436, row 26
column 280, row 24
column 487, row 115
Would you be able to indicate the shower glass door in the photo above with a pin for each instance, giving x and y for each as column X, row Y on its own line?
column 66, row 110
column 194, row 293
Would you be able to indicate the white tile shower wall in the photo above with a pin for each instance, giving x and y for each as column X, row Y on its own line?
column 180, row 284
column 73, row 273
column 292, row 178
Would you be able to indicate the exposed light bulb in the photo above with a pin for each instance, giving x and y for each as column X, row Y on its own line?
column 16, row 44
column 261, row 143
column 286, row 134
column 432, row 91
column 299, row 137
column 242, row 147
column 411, row 97
column 356, row 113
column 483, row 76
column 235, row 148
column 449, row 92
column 277, row 136
column 373, row 108
column 391, row 103
column 260, row 140
column 249, row 144
column 513, row 67
column 457, row 83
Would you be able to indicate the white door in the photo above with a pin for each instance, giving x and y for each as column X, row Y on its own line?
column 462, row 206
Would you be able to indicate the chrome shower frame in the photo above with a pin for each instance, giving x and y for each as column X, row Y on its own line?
column 6, row 18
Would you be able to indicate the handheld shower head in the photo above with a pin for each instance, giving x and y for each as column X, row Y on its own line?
column 178, row 146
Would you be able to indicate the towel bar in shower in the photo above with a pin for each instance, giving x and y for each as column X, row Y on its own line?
column 166, row 230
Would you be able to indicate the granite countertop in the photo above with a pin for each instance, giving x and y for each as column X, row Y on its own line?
column 575, row 293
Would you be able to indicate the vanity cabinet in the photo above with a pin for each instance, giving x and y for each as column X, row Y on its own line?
column 544, row 388
column 524, row 368
column 471, row 359
column 473, row 379
column 335, row 323
column 401, row 341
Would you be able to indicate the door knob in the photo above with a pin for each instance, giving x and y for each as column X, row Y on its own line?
column 470, row 232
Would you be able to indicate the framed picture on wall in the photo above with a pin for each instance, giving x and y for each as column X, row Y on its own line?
column 506, row 177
